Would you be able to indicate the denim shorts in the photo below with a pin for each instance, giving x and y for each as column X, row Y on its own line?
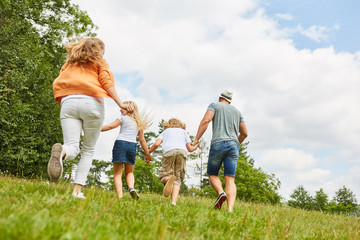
column 226, row 152
column 124, row 152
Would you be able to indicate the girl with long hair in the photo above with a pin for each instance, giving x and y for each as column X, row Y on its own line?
column 124, row 151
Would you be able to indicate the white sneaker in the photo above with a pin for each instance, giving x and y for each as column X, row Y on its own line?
column 79, row 195
column 55, row 165
column 134, row 194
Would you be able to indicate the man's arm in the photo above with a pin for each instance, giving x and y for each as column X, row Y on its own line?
column 243, row 132
column 209, row 115
column 192, row 148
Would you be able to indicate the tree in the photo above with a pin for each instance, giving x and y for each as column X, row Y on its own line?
column 301, row 199
column 150, row 138
column 202, row 153
column 320, row 200
column 345, row 196
column 343, row 201
column 96, row 172
column 252, row 184
column 69, row 166
column 145, row 177
column 32, row 34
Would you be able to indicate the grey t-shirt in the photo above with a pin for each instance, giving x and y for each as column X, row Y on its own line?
column 226, row 121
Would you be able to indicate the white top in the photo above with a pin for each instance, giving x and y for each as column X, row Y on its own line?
column 128, row 129
column 174, row 138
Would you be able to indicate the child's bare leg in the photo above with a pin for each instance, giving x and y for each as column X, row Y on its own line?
column 175, row 193
column 130, row 180
column 118, row 169
column 77, row 188
column 164, row 179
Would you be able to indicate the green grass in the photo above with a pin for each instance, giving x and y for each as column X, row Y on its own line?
column 38, row 210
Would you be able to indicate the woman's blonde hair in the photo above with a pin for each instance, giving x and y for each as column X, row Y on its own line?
column 87, row 50
column 174, row 123
column 141, row 120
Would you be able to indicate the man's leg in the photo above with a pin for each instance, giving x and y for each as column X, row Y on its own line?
column 230, row 163
column 216, row 156
column 230, row 190
column 216, row 184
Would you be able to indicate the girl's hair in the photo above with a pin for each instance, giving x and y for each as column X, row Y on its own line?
column 87, row 50
column 141, row 119
column 174, row 123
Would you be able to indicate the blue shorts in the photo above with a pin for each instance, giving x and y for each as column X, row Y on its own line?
column 226, row 152
column 124, row 152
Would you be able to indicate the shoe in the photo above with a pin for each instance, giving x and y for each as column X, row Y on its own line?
column 168, row 186
column 79, row 195
column 173, row 204
column 55, row 166
column 134, row 193
column 219, row 201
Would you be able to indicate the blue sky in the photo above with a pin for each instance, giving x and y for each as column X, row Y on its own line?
column 294, row 68
column 340, row 17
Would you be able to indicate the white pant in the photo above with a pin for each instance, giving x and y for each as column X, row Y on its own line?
column 78, row 114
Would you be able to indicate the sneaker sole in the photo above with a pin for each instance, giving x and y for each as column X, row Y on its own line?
column 168, row 186
column 220, row 202
column 134, row 195
column 55, row 168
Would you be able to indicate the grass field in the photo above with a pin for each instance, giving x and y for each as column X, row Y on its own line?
column 39, row 210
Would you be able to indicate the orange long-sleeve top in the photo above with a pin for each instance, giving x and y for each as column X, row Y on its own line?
column 88, row 79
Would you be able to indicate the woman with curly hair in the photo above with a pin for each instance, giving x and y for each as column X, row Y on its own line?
column 80, row 87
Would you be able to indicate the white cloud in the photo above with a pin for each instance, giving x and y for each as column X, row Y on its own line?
column 284, row 16
column 316, row 175
column 286, row 160
column 317, row 33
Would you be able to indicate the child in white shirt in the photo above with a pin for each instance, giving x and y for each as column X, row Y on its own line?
column 175, row 144
column 124, row 150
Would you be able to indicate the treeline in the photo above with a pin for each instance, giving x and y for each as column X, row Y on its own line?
column 32, row 37
column 343, row 202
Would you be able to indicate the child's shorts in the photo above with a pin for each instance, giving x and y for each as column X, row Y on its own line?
column 124, row 152
column 173, row 163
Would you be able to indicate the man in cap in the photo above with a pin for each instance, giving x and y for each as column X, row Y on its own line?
column 229, row 131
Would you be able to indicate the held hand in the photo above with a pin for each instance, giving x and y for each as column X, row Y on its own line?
column 196, row 142
column 148, row 159
column 196, row 145
column 127, row 107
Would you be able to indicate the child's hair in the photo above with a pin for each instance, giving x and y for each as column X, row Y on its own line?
column 174, row 123
column 141, row 119
column 87, row 50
